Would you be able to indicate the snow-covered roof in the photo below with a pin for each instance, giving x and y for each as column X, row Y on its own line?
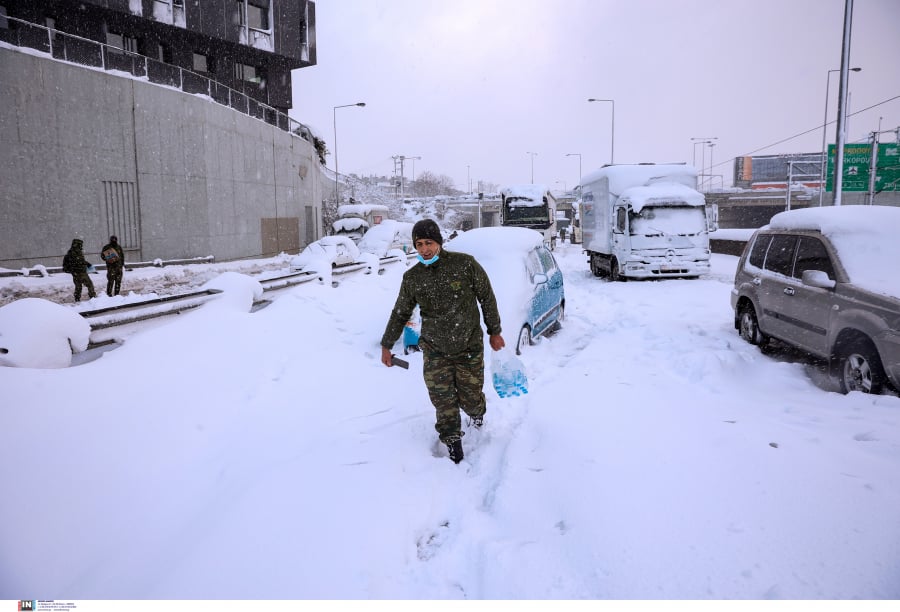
column 623, row 176
column 535, row 192
column 865, row 236
column 661, row 194
column 360, row 209
column 348, row 224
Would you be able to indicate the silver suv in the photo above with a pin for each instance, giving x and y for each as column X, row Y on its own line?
column 825, row 280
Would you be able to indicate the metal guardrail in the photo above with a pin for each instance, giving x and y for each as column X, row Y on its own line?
column 135, row 312
column 158, row 263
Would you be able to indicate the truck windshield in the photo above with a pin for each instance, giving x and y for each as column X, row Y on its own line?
column 668, row 221
column 526, row 212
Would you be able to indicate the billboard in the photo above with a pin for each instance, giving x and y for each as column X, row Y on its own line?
column 857, row 163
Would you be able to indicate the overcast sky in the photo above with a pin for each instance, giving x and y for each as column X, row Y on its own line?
column 474, row 86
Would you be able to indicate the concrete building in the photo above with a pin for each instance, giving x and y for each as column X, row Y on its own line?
column 161, row 121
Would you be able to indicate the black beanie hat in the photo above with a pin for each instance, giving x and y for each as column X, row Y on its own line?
column 426, row 228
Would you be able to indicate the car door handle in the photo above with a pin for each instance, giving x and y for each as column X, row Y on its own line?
column 789, row 291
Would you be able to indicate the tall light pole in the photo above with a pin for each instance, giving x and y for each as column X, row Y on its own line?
column 579, row 165
column 702, row 140
column 468, row 180
column 337, row 192
column 532, row 164
column 841, row 131
column 612, row 138
column 824, row 130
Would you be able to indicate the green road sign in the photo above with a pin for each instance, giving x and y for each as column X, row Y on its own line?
column 858, row 159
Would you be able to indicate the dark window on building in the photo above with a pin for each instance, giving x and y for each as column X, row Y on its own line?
column 254, row 13
column 780, row 257
column 119, row 42
column 812, row 255
column 164, row 53
column 250, row 74
column 202, row 63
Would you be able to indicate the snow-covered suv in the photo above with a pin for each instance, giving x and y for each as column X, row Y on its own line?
column 825, row 281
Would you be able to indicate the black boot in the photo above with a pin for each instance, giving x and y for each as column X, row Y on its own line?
column 456, row 450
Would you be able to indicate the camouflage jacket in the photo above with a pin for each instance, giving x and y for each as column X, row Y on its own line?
column 74, row 261
column 448, row 293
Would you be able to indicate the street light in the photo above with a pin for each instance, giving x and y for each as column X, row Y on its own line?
column 824, row 129
column 532, row 164
column 612, row 139
column 336, row 175
column 702, row 140
column 579, row 165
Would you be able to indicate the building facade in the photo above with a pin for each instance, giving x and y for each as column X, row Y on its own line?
column 103, row 133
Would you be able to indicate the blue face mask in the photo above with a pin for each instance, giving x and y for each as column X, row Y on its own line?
column 427, row 262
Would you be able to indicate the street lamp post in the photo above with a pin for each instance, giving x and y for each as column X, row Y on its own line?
column 824, row 130
column 337, row 193
column 702, row 140
column 579, row 165
column 612, row 138
column 532, row 164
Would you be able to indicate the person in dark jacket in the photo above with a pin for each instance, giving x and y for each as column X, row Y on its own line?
column 114, row 257
column 448, row 288
column 75, row 264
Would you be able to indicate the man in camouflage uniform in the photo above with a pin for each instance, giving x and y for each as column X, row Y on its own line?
column 114, row 257
column 448, row 287
column 75, row 264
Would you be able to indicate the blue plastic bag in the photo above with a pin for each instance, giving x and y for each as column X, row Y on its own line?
column 508, row 374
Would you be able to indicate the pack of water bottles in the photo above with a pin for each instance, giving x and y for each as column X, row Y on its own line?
column 508, row 374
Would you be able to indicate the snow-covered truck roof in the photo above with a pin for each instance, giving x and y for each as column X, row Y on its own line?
column 623, row 176
column 532, row 192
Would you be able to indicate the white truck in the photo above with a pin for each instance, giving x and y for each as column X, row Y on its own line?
column 645, row 221
column 531, row 206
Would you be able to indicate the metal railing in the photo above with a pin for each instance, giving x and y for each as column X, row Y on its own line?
column 91, row 53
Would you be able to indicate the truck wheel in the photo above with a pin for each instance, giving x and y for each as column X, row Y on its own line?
column 524, row 339
column 614, row 273
column 595, row 269
column 749, row 327
column 859, row 367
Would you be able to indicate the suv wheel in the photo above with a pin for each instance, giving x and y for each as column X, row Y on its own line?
column 749, row 327
column 859, row 367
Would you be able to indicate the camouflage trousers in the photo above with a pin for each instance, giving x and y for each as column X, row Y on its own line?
column 113, row 280
column 83, row 279
column 454, row 383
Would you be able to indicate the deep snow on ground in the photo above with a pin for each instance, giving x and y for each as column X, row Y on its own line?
column 269, row 455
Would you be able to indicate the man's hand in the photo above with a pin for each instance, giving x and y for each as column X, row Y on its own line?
column 497, row 342
column 386, row 356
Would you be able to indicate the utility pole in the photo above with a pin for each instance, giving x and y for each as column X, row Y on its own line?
column 841, row 135
column 401, row 159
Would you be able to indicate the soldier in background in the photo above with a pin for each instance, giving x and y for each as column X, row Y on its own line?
column 75, row 264
column 114, row 257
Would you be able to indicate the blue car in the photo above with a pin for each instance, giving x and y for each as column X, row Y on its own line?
column 526, row 279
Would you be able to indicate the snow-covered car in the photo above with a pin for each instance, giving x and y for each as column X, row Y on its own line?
column 526, row 280
column 387, row 236
column 336, row 250
column 824, row 280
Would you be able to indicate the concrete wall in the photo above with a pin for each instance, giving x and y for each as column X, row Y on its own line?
column 87, row 153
